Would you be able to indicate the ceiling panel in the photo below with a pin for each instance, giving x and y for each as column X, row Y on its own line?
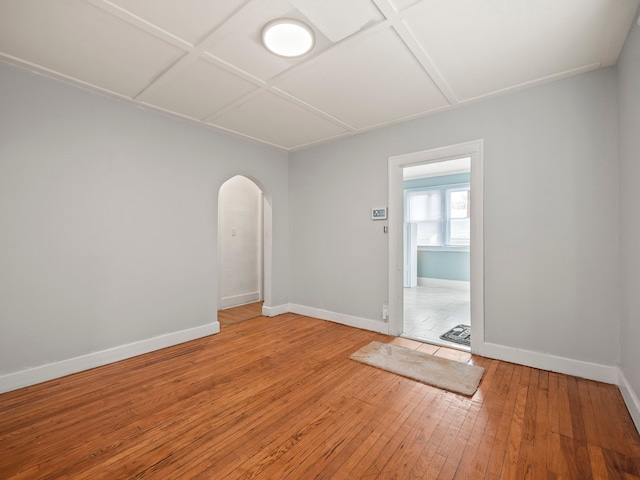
column 275, row 120
column 238, row 41
column 190, row 20
column 515, row 42
column 437, row 169
column 338, row 19
column 375, row 62
column 400, row 5
column 367, row 82
column 198, row 91
column 81, row 41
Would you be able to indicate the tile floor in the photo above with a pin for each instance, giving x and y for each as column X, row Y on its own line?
column 431, row 311
column 435, row 350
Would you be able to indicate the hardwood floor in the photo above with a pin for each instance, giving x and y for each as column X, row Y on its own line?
column 275, row 398
column 234, row 315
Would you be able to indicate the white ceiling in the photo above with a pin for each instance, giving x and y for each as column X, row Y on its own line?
column 436, row 169
column 375, row 62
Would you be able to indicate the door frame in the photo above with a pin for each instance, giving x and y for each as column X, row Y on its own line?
column 475, row 150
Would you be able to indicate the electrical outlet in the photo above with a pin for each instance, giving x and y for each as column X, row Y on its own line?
column 385, row 311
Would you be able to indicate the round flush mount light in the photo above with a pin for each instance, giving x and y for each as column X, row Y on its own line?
column 288, row 38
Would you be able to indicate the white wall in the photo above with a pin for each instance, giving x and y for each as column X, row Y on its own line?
column 629, row 120
column 108, row 220
column 551, row 216
column 240, row 242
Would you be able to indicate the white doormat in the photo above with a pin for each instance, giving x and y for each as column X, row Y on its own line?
column 436, row 371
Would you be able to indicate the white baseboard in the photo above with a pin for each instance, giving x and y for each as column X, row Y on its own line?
column 441, row 283
column 552, row 363
column 42, row 373
column 273, row 311
column 236, row 300
column 630, row 399
column 350, row 320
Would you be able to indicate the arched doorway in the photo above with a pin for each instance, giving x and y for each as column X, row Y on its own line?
column 244, row 243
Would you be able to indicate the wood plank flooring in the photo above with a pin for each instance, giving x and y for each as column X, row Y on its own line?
column 275, row 398
column 231, row 316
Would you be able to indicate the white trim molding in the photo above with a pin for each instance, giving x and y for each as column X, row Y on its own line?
column 630, row 399
column 552, row 363
column 43, row 373
column 274, row 311
column 237, row 300
column 349, row 320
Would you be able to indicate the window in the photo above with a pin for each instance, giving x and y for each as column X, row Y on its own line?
column 442, row 214
column 459, row 228
column 425, row 209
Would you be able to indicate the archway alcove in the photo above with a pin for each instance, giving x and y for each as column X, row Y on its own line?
column 244, row 243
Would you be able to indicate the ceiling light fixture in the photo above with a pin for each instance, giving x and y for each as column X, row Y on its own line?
column 288, row 38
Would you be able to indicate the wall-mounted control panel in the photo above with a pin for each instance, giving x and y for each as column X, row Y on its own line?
column 378, row 214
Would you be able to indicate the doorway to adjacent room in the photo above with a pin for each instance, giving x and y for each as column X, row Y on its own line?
column 436, row 252
column 436, row 245
column 241, row 230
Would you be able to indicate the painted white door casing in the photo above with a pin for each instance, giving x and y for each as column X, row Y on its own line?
column 474, row 149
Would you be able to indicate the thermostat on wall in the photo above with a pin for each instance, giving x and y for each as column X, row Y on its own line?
column 378, row 214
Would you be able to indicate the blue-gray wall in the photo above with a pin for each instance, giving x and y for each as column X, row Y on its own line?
column 442, row 264
column 437, row 181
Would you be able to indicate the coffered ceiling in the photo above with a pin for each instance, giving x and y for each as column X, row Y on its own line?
column 375, row 62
